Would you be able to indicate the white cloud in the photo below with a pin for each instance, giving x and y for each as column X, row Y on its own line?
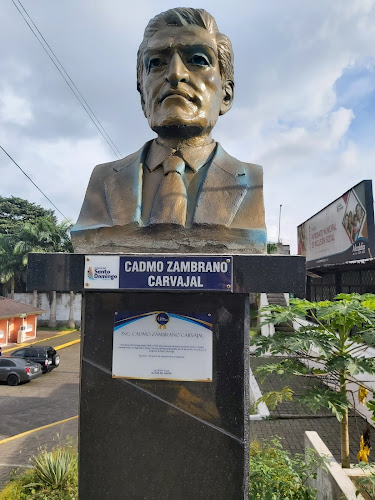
column 60, row 168
column 289, row 57
column 14, row 109
column 349, row 157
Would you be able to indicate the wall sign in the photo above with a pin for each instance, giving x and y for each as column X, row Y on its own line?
column 160, row 345
column 143, row 272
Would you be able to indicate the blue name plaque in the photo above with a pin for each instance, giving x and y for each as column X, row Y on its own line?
column 197, row 273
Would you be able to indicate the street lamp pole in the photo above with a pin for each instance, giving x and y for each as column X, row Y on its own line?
column 278, row 239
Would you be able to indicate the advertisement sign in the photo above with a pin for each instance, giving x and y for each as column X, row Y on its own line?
column 343, row 231
column 164, row 272
column 160, row 345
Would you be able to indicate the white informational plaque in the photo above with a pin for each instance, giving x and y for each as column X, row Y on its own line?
column 160, row 345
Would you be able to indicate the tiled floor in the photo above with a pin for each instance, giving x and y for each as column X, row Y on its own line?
column 290, row 420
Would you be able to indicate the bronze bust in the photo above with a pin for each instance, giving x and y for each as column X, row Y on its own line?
column 180, row 191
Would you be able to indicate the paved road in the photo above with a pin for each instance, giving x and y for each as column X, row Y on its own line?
column 48, row 399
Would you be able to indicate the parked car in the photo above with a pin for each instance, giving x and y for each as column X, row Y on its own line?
column 17, row 370
column 46, row 356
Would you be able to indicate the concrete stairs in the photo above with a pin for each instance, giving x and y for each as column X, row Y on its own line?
column 279, row 299
column 276, row 298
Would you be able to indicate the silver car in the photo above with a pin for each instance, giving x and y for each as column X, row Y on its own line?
column 17, row 370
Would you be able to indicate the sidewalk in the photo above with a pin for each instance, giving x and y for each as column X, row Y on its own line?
column 53, row 338
column 290, row 420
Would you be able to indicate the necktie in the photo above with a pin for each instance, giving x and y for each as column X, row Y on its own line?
column 169, row 206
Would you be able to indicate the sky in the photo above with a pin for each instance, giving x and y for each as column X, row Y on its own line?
column 304, row 97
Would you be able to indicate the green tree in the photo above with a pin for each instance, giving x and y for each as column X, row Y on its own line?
column 271, row 247
column 340, row 333
column 44, row 235
column 14, row 212
column 11, row 263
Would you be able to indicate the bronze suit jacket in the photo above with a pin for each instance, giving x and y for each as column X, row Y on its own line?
column 231, row 195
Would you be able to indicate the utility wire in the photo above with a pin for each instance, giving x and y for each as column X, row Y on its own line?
column 33, row 182
column 68, row 80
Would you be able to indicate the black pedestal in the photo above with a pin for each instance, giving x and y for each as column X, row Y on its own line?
column 164, row 439
column 158, row 439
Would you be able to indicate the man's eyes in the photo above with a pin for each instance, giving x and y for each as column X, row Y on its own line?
column 195, row 59
column 155, row 62
column 199, row 60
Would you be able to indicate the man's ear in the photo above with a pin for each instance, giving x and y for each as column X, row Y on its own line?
column 228, row 95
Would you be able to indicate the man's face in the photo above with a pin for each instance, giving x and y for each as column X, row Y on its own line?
column 182, row 85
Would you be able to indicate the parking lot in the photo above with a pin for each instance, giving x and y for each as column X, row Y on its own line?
column 46, row 400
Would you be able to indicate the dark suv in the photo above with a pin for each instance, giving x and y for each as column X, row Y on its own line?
column 44, row 355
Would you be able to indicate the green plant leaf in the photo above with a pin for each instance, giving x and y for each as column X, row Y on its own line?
column 273, row 398
column 275, row 474
column 368, row 337
column 286, row 367
column 318, row 398
column 371, row 406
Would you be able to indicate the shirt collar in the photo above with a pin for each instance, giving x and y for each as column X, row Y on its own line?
column 194, row 157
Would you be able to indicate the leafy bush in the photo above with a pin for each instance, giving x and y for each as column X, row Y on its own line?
column 53, row 469
column 275, row 474
column 54, row 476
column 365, row 484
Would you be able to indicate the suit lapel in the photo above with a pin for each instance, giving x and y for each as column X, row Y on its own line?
column 219, row 198
column 222, row 191
column 123, row 190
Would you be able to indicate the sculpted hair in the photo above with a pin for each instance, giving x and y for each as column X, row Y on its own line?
column 183, row 17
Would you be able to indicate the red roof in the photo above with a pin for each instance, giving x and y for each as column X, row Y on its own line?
column 10, row 308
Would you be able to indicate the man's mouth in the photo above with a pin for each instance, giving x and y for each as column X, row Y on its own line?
column 176, row 93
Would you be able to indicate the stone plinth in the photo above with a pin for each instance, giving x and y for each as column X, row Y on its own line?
column 166, row 439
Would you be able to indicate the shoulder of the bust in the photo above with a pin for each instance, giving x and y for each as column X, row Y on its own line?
column 227, row 161
column 118, row 165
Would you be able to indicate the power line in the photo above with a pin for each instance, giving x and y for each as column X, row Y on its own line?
column 33, row 182
column 68, row 80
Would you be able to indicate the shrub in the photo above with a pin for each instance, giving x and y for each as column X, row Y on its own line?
column 54, row 476
column 275, row 474
column 365, row 484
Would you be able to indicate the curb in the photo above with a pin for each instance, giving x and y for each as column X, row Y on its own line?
column 32, row 341
column 17, row 436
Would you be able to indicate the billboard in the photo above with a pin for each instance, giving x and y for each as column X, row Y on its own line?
column 341, row 232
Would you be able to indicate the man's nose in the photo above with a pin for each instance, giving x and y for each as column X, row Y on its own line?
column 177, row 71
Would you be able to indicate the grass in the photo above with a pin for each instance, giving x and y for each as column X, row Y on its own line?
column 58, row 328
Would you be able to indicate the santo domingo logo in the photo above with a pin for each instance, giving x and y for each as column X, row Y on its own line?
column 162, row 319
column 100, row 273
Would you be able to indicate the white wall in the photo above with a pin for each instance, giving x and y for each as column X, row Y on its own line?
column 62, row 306
column 332, row 482
column 255, row 394
column 266, row 330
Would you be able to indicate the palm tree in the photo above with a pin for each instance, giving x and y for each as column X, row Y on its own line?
column 11, row 263
column 42, row 236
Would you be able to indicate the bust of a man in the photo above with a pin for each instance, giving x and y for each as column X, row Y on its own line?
column 181, row 191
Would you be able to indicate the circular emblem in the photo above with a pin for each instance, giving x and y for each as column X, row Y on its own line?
column 162, row 319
